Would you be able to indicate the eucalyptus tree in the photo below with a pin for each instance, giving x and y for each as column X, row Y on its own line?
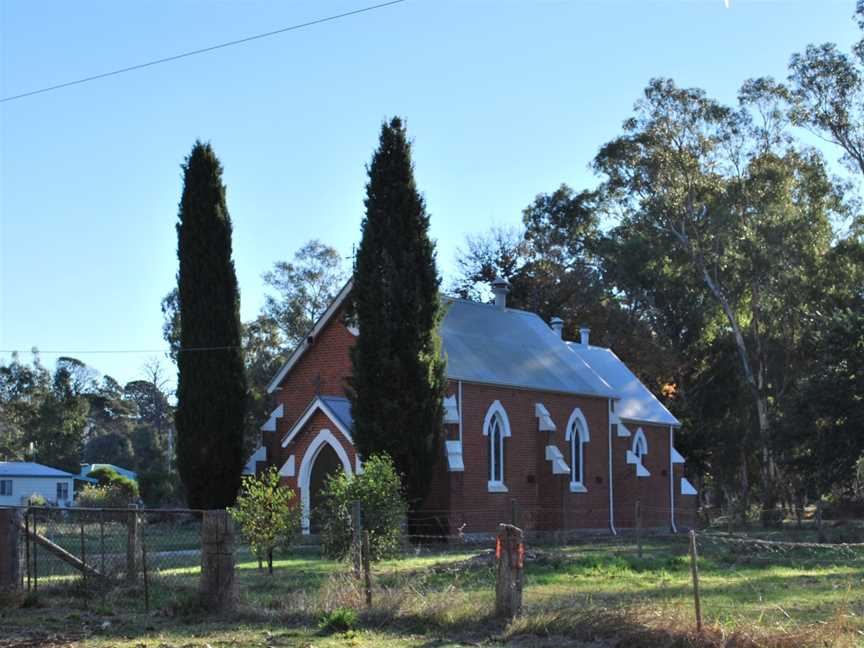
column 747, row 214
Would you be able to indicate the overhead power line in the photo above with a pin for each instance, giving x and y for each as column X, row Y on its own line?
column 203, row 50
column 110, row 351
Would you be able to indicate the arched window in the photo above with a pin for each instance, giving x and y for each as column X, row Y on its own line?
column 640, row 445
column 577, row 434
column 496, row 427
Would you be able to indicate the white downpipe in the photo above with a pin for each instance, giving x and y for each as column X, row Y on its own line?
column 672, row 480
column 611, row 504
column 459, row 383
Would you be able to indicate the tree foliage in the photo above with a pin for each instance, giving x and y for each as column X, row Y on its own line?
column 267, row 513
column 398, row 378
column 303, row 289
column 211, row 383
column 378, row 489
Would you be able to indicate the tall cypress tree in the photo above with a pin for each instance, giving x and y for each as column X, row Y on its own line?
column 211, row 383
column 398, row 376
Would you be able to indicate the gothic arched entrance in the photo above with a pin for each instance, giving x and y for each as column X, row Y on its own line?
column 326, row 463
column 324, row 456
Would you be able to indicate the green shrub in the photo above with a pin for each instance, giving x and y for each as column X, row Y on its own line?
column 379, row 491
column 110, row 477
column 268, row 514
column 339, row 620
column 108, row 496
column 37, row 499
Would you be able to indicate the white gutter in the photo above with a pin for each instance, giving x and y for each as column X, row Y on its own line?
column 672, row 481
column 611, row 504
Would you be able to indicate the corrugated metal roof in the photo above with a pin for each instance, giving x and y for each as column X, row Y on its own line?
column 30, row 469
column 636, row 403
column 341, row 408
column 491, row 345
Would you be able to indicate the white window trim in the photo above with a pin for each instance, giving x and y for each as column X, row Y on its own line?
column 639, row 436
column 496, row 409
column 636, row 459
column 577, row 422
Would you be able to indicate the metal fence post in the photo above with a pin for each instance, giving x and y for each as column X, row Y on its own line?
column 35, row 554
column 146, row 578
column 27, row 546
column 694, row 568
column 84, row 564
column 102, row 540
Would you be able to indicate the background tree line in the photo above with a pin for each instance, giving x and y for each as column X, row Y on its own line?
column 73, row 415
column 728, row 273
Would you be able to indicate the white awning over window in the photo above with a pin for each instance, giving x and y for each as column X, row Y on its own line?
column 559, row 466
column 687, row 487
column 454, row 456
column 545, row 422
column 451, row 410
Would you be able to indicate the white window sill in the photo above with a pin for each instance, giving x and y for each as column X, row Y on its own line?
column 576, row 487
column 496, row 487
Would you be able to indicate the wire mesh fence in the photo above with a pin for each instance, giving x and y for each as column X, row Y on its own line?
column 139, row 560
column 93, row 553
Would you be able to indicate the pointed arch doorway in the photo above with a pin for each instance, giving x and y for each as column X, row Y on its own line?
column 324, row 456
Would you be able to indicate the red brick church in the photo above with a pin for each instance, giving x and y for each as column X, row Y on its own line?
column 560, row 432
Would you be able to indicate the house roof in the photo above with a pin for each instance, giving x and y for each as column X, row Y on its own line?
column 505, row 346
column 636, row 403
column 340, row 408
column 490, row 345
column 31, row 469
column 336, row 408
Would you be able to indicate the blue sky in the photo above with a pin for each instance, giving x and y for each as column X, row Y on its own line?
column 504, row 100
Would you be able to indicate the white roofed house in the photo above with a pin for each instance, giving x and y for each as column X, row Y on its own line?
column 20, row 480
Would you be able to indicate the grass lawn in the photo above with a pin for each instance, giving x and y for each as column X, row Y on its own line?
column 597, row 593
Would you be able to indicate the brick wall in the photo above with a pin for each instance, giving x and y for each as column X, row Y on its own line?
column 543, row 500
column 327, row 358
column 653, row 491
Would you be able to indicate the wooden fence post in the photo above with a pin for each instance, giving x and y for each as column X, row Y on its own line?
column 694, row 568
column 218, row 584
column 366, row 569
column 27, row 546
column 133, row 544
column 639, row 528
column 356, row 542
column 10, row 560
column 510, row 553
